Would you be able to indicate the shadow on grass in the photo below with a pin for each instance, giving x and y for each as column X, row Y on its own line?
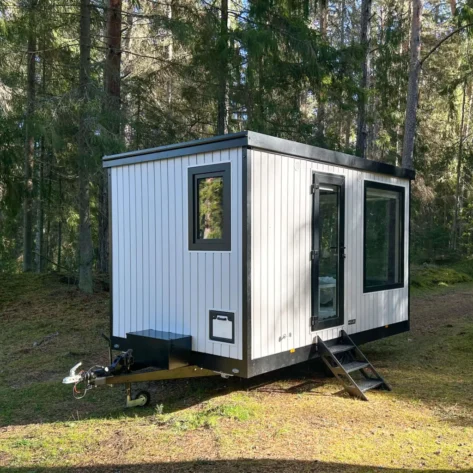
column 240, row 465
column 177, row 395
column 32, row 404
column 417, row 373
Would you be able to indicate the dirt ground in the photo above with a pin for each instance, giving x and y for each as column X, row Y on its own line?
column 292, row 420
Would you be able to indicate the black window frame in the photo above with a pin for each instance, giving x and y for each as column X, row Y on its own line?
column 195, row 173
column 318, row 180
column 402, row 239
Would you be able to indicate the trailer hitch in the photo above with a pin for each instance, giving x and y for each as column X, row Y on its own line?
column 120, row 365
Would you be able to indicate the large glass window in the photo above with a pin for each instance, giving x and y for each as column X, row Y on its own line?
column 383, row 237
column 209, row 207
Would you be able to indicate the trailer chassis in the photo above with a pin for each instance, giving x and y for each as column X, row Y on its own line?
column 120, row 372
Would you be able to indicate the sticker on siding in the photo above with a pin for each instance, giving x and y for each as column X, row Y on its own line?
column 222, row 326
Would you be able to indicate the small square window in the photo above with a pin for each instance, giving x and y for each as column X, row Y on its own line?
column 383, row 237
column 209, row 208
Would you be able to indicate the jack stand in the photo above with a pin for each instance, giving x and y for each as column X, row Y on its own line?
column 142, row 398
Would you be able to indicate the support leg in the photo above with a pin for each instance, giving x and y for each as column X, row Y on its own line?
column 142, row 398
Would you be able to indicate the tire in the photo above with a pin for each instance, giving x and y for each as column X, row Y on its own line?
column 146, row 395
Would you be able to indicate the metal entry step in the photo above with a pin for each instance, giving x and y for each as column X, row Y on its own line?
column 345, row 358
column 334, row 349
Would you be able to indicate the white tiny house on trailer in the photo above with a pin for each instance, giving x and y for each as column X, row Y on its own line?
column 253, row 249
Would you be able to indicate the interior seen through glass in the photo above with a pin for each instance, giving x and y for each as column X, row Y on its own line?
column 382, row 238
column 329, row 250
column 210, row 209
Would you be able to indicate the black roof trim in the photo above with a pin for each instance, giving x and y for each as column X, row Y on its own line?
column 259, row 141
column 169, row 151
column 313, row 153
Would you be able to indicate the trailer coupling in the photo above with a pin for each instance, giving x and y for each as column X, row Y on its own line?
column 96, row 375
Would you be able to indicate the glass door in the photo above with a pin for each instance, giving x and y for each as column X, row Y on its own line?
column 328, row 250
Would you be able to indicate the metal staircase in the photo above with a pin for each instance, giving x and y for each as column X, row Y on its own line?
column 347, row 362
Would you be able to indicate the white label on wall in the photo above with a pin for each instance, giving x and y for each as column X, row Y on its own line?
column 222, row 327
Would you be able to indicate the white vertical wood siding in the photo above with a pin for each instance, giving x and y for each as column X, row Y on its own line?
column 281, row 206
column 157, row 282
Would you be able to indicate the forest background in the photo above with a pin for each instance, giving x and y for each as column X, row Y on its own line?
column 387, row 80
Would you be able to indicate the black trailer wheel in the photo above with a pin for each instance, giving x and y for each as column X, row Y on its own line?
column 146, row 396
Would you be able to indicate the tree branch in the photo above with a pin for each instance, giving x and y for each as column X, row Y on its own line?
column 421, row 63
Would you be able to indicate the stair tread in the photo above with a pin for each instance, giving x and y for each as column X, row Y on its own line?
column 368, row 384
column 340, row 348
column 354, row 366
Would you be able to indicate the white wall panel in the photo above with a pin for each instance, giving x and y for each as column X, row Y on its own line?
column 158, row 283
column 280, row 265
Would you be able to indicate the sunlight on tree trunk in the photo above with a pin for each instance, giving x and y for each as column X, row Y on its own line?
column 412, row 87
column 223, row 101
column 459, row 171
column 362, row 128
column 321, row 112
column 112, row 97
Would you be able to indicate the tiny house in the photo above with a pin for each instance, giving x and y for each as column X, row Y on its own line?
column 246, row 250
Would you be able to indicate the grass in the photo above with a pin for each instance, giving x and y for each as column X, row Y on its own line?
column 239, row 409
column 428, row 277
column 292, row 420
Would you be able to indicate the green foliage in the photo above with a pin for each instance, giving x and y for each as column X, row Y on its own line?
column 429, row 276
column 283, row 74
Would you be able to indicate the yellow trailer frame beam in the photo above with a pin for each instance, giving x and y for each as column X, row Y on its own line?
column 157, row 375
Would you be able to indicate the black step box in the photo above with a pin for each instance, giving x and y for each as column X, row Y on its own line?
column 163, row 350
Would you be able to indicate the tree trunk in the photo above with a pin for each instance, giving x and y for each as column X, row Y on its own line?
column 170, row 54
column 40, row 255
column 453, row 7
column 112, row 63
column 85, row 236
column 465, row 194
column 362, row 129
column 412, row 87
column 29, row 142
column 347, row 133
column 343, row 19
column 323, row 20
column 40, row 211
column 47, row 240
column 59, row 229
column 459, row 168
column 112, row 82
column 223, row 99
column 342, row 45
column 138, row 120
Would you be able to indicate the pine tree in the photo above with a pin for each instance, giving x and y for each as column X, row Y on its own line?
column 85, row 235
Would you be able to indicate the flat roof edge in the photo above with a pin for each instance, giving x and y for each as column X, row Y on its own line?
column 256, row 140
column 314, row 153
column 186, row 144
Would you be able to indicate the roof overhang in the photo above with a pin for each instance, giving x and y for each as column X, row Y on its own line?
column 255, row 140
